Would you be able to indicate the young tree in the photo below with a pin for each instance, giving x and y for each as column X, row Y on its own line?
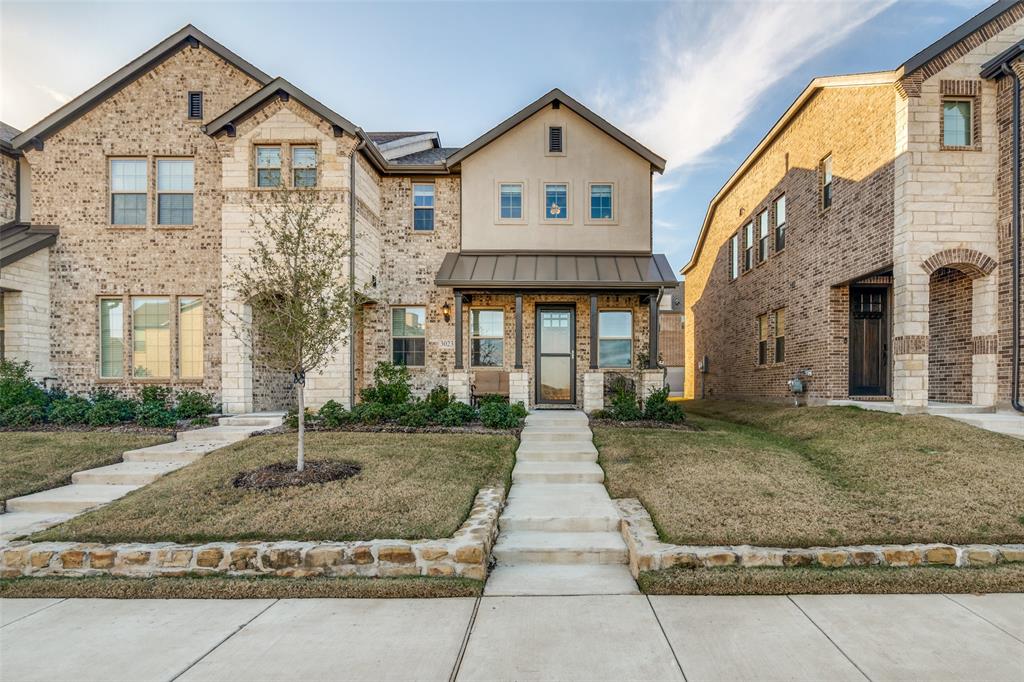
column 296, row 286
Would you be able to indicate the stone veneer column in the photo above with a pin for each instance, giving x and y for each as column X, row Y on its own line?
column 26, row 302
column 458, row 386
column 910, row 335
column 236, row 362
column 518, row 388
column 651, row 380
column 331, row 383
column 593, row 391
column 984, row 327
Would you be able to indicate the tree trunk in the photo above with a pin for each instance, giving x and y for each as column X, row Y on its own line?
column 300, row 386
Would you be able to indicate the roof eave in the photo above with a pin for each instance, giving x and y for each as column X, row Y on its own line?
column 965, row 29
column 274, row 88
column 994, row 66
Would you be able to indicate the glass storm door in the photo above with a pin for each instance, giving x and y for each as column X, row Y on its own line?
column 556, row 355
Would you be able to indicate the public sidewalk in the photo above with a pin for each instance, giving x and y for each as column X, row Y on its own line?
column 855, row 637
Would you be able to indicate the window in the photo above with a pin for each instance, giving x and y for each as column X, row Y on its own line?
column 748, row 255
column 762, row 236
column 780, row 335
column 762, row 339
column 190, row 338
column 826, row 182
column 195, row 105
column 408, row 332
column 268, row 166
column 615, row 338
column 3, row 328
column 423, row 208
column 111, row 338
column 304, row 166
column 511, row 201
column 174, row 184
column 556, row 140
column 734, row 257
column 556, row 201
column 601, row 202
column 956, row 123
column 487, row 338
column 780, row 223
column 151, row 336
column 128, row 190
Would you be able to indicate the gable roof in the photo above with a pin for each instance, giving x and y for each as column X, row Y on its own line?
column 947, row 41
column 8, row 133
column 557, row 95
column 276, row 88
column 187, row 36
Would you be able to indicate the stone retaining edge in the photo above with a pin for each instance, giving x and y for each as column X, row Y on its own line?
column 465, row 554
column 648, row 553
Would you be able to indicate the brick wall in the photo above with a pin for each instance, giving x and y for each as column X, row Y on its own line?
column 950, row 344
column 8, row 188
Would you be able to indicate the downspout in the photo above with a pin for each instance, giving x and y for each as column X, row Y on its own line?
column 352, row 275
column 1015, row 236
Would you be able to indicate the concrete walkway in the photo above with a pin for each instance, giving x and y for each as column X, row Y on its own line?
column 559, row 529
column 612, row 637
column 96, row 487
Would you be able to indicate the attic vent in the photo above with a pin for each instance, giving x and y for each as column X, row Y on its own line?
column 555, row 145
column 195, row 105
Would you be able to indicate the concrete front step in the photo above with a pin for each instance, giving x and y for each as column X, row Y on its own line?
column 533, row 434
column 126, row 473
column 175, row 451
column 268, row 421
column 535, row 448
column 537, row 547
column 559, row 417
column 551, row 455
column 557, row 472
column 571, row 514
column 222, row 434
column 559, row 579
column 69, row 499
column 15, row 524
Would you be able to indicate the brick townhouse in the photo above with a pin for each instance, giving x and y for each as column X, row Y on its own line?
column 865, row 245
column 521, row 263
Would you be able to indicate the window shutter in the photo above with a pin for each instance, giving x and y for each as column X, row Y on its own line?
column 555, row 140
column 195, row 105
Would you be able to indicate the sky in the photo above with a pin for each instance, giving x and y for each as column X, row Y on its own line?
column 698, row 81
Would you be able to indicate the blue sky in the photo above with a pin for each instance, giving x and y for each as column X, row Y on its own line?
column 698, row 82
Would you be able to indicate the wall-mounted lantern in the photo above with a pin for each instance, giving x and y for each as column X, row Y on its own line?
column 446, row 310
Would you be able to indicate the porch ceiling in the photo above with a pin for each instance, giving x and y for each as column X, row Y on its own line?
column 501, row 270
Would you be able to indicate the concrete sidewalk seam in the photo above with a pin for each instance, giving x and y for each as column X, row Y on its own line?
column 665, row 635
column 218, row 644
column 40, row 610
column 465, row 640
column 829, row 638
column 997, row 627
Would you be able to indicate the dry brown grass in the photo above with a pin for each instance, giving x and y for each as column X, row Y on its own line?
column 918, row 580
column 31, row 461
column 796, row 477
column 411, row 486
column 239, row 588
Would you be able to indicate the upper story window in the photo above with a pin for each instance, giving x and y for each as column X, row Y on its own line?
column 601, row 198
column 748, row 254
column 762, row 236
column 303, row 166
column 826, row 182
column 556, row 140
column 487, row 338
column 128, row 191
column 762, row 339
column 556, row 201
column 615, row 338
column 780, row 223
column 511, row 200
column 423, row 207
column 195, row 105
column 174, row 186
column 780, row 334
column 734, row 256
column 408, row 335
column 957, row 123
column 268, row 166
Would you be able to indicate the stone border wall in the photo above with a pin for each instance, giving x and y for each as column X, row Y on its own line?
column 648, row 553
column 465, row 555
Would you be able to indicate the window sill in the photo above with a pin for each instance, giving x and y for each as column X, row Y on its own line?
column 423, row 232
column 510, row 221
column 173, row 228
column 561, row 221
column 958, row 148
column 594, row 221
column 128, row 228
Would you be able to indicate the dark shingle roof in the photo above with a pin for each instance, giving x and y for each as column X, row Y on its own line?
column 436, row 155
column 7, row 134
column 385, row 137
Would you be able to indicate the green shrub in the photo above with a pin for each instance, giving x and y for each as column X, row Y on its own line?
column 658, row 408
column 370, row 413
column 390, row 385
column 17, row 388
column 601, row 414
column 201, row 421
column 292, row 419
column 623, row 402
column 488, row 398
column 419, row 414
column 332, row 415
column 156, row 415
column 71, row 410
column 498, row 415
column 456, row 414
column 154, row 395
column 438, row 398
column 193, row 404
column 111, row 411
column 25, row 414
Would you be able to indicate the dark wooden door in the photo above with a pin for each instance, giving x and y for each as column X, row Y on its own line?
column 869, row 341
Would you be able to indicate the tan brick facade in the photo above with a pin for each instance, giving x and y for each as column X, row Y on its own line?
column 8, row 188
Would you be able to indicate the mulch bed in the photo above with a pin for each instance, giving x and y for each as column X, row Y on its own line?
column 128, row 427
column 283, row 474
column 396, row 428
column 645, row 424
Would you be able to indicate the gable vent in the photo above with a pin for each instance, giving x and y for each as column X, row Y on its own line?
column 555, row 140
column 195, row 105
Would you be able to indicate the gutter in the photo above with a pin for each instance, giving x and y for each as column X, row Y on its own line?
column 352, row 272
column 1015, row 236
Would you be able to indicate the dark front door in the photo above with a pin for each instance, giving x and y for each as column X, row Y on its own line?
column 869, row 341
column 556, row 354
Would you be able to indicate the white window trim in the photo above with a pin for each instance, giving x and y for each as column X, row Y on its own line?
column 156, row 181
column 632, row 333
column 472, row 336
column 125, row 350
column 544, row 220
column 172, row 335
column 547, row 137
column 150, row 182
column 256, row 164
column 176, row 347
column 498, row 220
column 292, row 167
column 412, row 206
column 614, row 220
column 391, row 324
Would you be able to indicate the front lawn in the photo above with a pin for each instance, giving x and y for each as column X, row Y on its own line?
column 411, row 486
column 796, row 477
column 31, row 461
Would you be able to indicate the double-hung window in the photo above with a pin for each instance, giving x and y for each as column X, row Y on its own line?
column 268, row 166
column 780, row 335
column 151, row 337
column 408, row 335
column 615, row 338
column 556, row 201
column 175, row 183
column 423, row 207
column 111, row 338
column 826, row 182
column 601, row 202
column 780, row 223
column 957, row 123
column 303, row 166
column 762, row 339
column 487, row 338
column 748, row 254
column 734, row 256
column 511, row 201
column 128, row 191
column 762, row 236
column 190, row 337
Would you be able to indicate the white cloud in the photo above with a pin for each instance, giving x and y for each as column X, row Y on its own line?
column 59, row 97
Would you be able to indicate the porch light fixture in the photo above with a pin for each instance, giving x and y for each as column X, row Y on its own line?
column 446, row 310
